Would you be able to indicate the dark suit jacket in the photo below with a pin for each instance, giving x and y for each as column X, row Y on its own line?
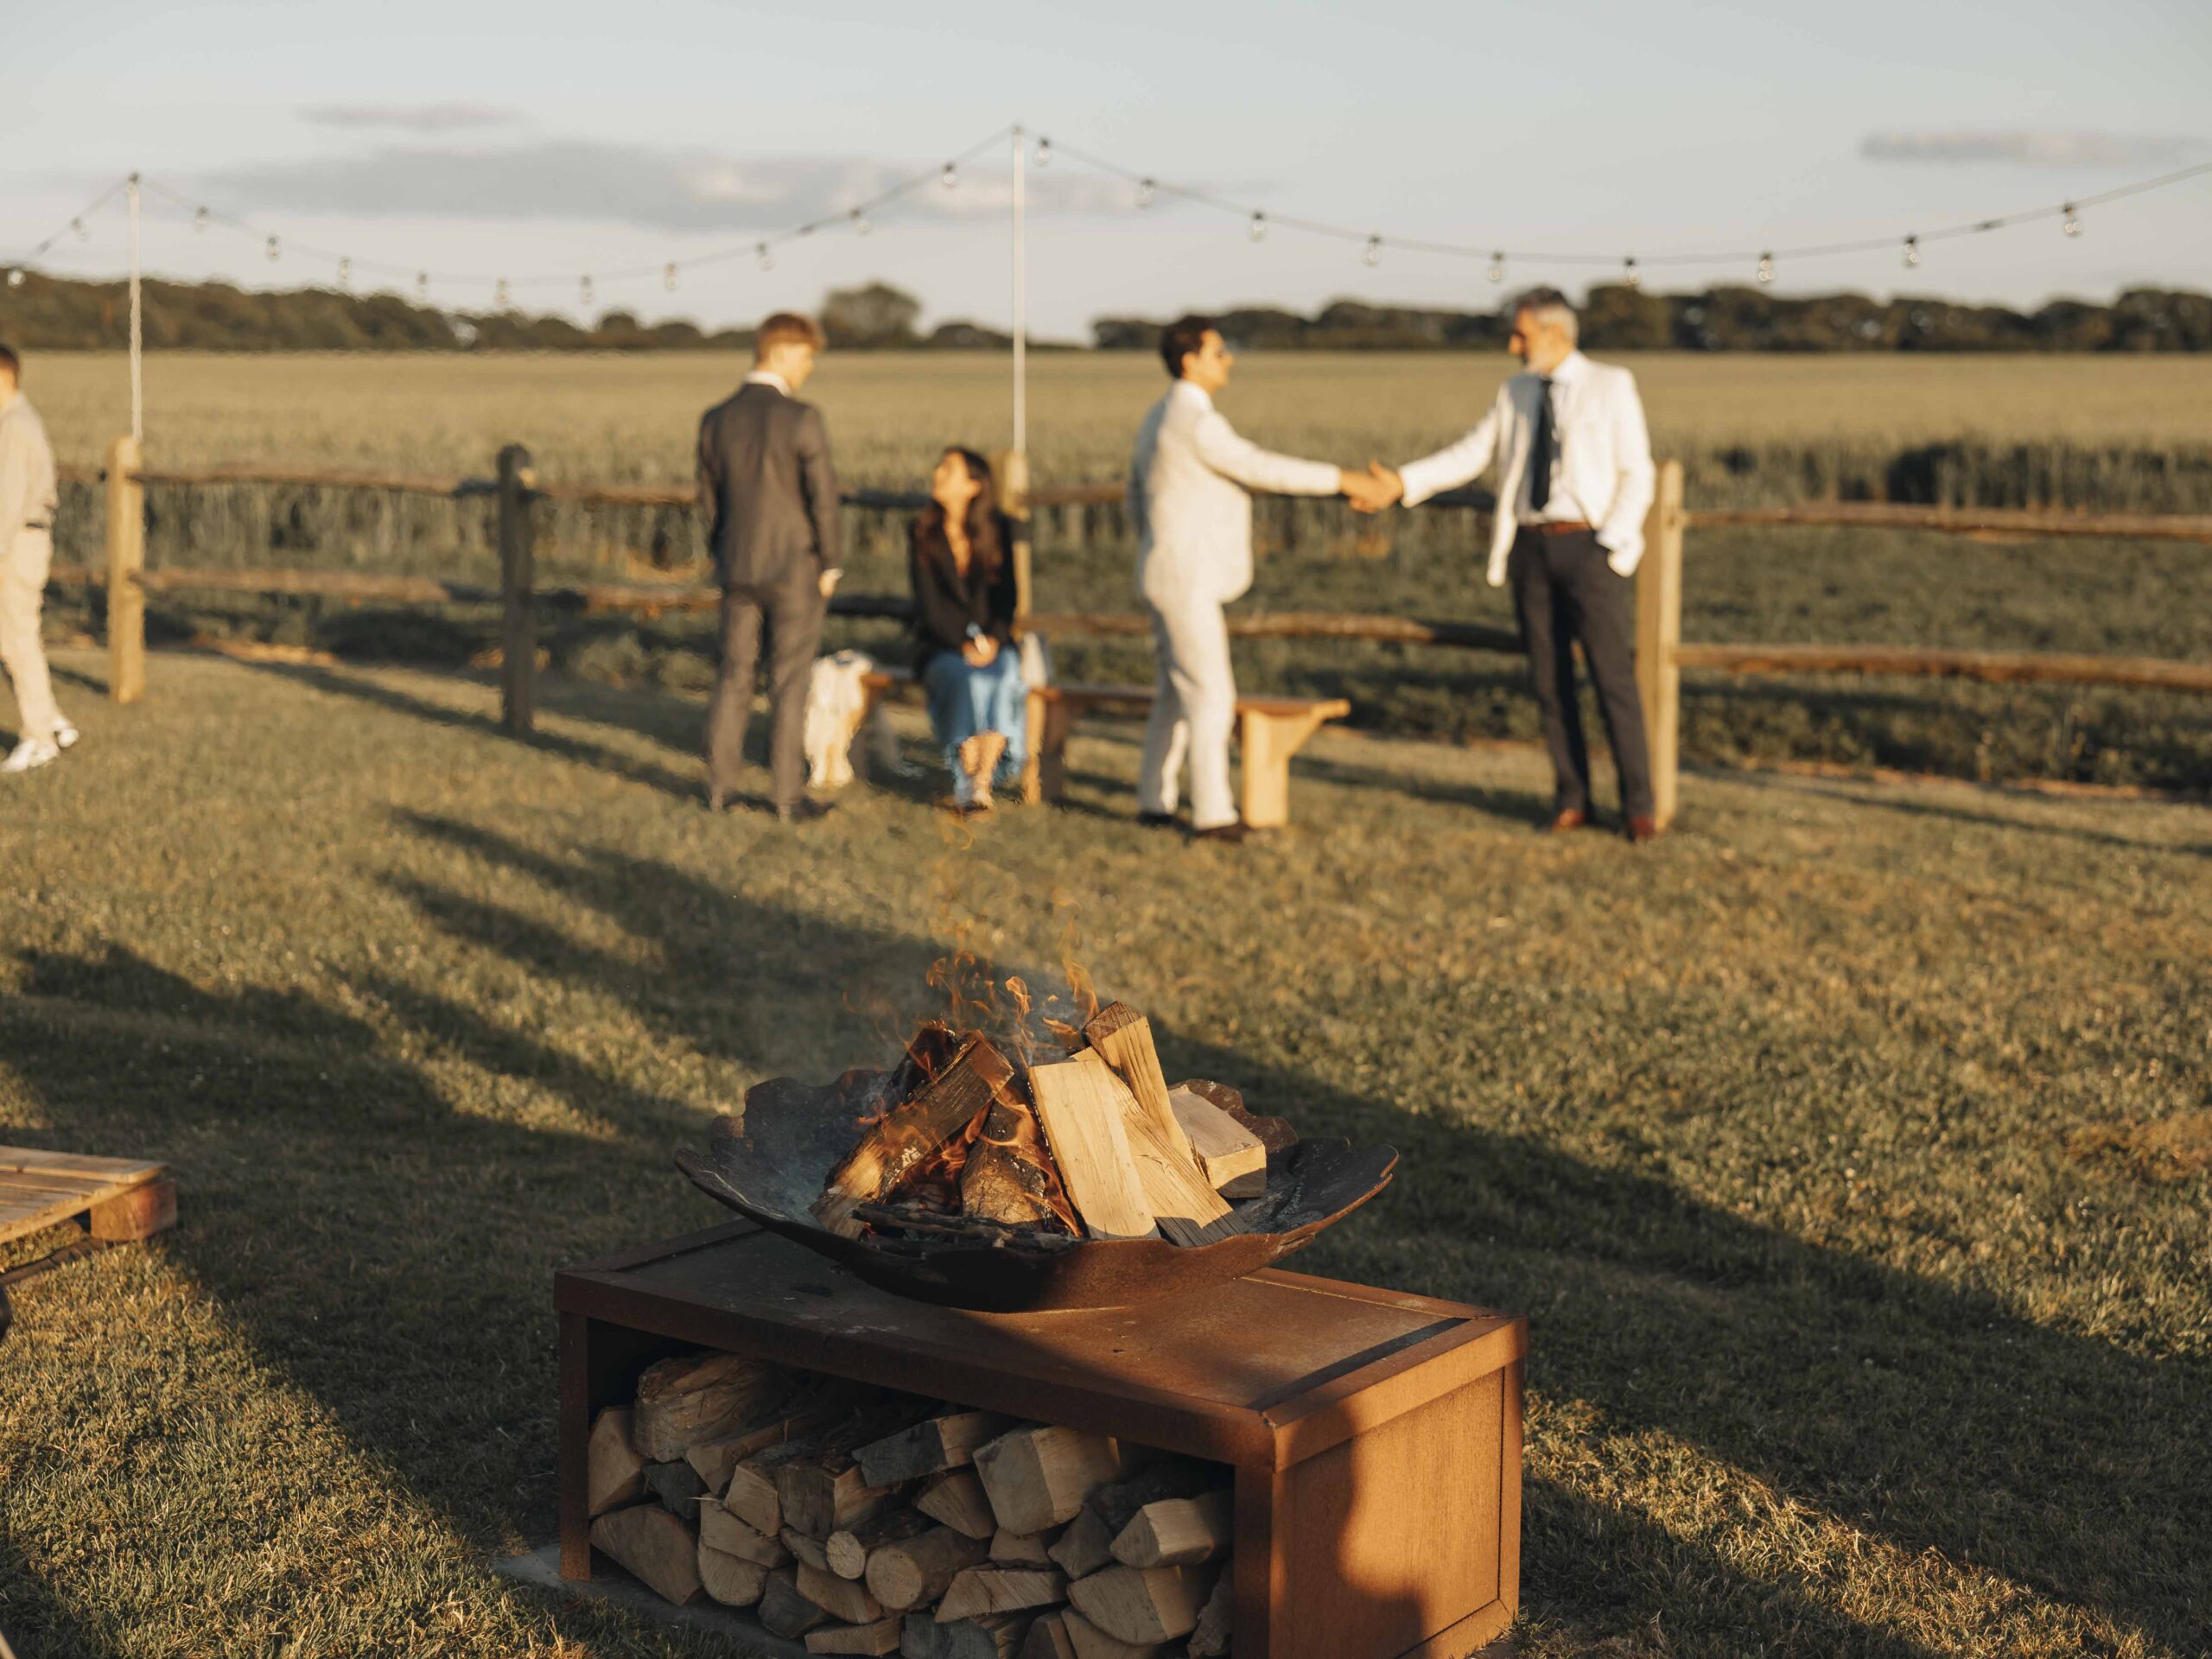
column 767, row 487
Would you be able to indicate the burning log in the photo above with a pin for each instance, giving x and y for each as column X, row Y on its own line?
column 1123, row 1037
column 891, row 1149
column 1010, row 1177
column 1234, row 1159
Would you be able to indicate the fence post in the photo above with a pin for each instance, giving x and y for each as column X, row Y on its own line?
column 126, row 557
column 1658, row 632
column 518, row 633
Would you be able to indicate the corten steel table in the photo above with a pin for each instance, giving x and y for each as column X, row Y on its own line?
column 1376, row 1436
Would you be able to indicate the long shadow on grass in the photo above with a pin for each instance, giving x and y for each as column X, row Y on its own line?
column 32, row 1618
column 1931, row 1414
column 1923, row 805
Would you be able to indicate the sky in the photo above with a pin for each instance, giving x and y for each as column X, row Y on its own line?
column 562, row 139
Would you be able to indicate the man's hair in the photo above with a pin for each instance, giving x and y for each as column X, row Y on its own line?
column 1182, row 337
column 1549, row 305
column 786, row 328
column 10, row 365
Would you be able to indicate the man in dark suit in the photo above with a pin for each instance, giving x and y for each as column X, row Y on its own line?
column 767, row 487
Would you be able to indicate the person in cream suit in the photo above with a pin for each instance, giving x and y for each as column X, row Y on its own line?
column 1189, row 503
column 1574, row 481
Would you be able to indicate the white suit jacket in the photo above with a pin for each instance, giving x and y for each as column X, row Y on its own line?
column 1605, row 457
column 1190, row 499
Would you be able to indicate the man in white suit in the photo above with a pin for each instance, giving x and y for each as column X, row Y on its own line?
column 1190, row 502
column 1574, row 481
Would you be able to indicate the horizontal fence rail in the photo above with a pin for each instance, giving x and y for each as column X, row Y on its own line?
column 1964, row 521
column 2156, row 673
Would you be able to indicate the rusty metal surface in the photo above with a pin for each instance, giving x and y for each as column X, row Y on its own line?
column 770, row 1166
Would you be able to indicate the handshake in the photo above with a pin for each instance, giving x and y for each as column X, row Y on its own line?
column 1372, row 491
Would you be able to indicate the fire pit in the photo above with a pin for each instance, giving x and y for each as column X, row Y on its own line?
column 1069, row 1177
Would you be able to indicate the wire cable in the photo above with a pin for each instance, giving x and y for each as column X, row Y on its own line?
column 76, row 223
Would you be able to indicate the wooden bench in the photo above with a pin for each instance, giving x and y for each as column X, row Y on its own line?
column 1269, row 729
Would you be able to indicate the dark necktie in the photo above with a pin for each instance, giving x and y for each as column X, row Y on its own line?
column 1539, row 453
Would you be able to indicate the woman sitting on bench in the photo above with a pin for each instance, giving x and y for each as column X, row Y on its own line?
column 960, row 555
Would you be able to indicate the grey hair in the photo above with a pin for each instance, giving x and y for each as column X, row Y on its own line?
column 1549, row 305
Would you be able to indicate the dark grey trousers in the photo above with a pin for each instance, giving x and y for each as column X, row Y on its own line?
column 790, row 617
column 1563, row 590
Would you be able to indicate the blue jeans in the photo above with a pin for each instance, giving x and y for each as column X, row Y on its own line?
column 964, row 701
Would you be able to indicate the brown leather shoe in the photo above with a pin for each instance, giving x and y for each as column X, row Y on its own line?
column 1238, row 834
column 1641, row 829
column 1570, row 819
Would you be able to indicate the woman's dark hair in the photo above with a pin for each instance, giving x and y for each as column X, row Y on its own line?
column 986, row 552
column 1182, row 337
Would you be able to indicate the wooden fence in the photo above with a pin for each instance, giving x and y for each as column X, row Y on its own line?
column 1662, row 654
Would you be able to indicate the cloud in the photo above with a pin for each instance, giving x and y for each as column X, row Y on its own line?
column 658, row 189
column 2032, row 149
column 407, row 117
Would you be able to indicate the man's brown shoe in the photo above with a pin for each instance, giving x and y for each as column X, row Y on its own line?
column 1570, row 819
column 1641, row 829
column 1235, row 834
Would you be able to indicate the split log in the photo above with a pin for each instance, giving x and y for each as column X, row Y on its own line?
column 849, row 1547
column 916, row 1572
column 1022, row 1548
column 751, row 1495
column 929, row 1447
column 677, row 1486
column 1084, row 1546
column 1217, row 1620
column 1038, row 1476
column 1116, row 1505
column 699, row 1397
column 1140, row 1605
column 731, row 1580
column 1182, row 1200
column 654, row 1546
column 906, row 1134
column 881, row 1637
column 1010, row 1177
column 1177, row 1531
column 715, row 1459
column 1234, row 1159
column 957, row 1500
column 995, row 1635
column 1048, row 1638
column 614, row 1474
column 1080, row 1102
column 842, row 1600
column 1089, row 1641
column 807, row 1551
column 982, row 1590
column 782, row 1611
column 825, row 1491
column 1123, row 1037
column 721, row 1530
column 941, row 1224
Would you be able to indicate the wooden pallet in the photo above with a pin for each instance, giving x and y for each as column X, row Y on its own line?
column 120, row 1198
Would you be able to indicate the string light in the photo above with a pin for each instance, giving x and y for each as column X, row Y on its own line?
column 767, row 257
column 1374, row 254
column 951, row 177
column 2073, row 226
column 583, row 291
column 860, row 226
column 77, row 226
column 1258, row 228
column 199, row 221
column 1766, row 267
column 1147, row 189
column 1912, row 252
column 499, row 294
column 668, row 278
column 274, row 249
column 422, row 285
column 16, row 276
column 1044, row 152
column 1498, row 267
column 1629, row 274
column 345, row 273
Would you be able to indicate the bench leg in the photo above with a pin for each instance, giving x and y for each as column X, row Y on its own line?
column 1046, row 776
column 1268, row 742
column 139, row 1213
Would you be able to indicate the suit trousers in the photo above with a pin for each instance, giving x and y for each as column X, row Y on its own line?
column 789, row 615
column 23, row 569
column 1193, row 715
column 1563, row 591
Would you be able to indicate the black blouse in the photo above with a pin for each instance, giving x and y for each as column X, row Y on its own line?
column 946, row 602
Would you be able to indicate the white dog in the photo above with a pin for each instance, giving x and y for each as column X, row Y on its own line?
column 837, row 705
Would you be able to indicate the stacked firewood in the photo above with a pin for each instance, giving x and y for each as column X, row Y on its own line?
column 870, row 1523
column 1089, row 1143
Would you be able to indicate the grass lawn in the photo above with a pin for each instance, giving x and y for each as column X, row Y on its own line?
column 1849, row 1151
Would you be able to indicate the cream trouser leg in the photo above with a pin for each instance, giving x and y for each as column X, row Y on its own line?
column 22, row 596
column 1193, row 713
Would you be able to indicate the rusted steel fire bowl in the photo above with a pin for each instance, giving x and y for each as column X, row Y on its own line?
column 771, row 1165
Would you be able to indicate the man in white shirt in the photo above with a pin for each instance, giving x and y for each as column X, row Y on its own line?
column 1574, row 481
column 28, row 500
column 1189, row 503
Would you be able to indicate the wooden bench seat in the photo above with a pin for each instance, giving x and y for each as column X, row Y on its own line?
column 1270, row 730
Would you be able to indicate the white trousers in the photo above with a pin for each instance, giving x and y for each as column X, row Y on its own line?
column 22, row 596
column 1193, row 715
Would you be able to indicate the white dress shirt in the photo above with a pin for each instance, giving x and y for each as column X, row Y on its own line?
column 1602, row 473
column 769, row 378
column 1190, row 502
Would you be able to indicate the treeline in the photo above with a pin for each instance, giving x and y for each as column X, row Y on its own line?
column 1616, row 317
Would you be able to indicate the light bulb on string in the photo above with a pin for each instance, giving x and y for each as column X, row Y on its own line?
column 767, row 257
column 499, row 293
column 1766, row 268
column 583, row 291
column 345, row 273
column 1498, row 267
column 1912, row 252
column 422, row 286
column 2073, row 226
column 1147, row 189
column 275, row 250
column 16, row 276
column 199, row 221
column 77, row 226
column 1257, row 230
column 1629, row 274
column 1374, row 254
column 860, row 226
column 668, row 278
column 951, row 177
column 1044, row 152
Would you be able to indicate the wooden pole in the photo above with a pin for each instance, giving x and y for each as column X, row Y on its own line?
column 1012, row 468
column 518, row 637
column 126, row 557
column 1658, row 632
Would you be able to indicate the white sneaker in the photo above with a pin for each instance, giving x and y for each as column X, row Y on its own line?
column 31, row 751
column 65, row 735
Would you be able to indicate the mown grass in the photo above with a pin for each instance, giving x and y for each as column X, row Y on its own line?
column 1848, row 1151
